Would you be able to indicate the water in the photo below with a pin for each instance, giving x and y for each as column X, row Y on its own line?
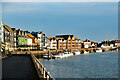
column 93, row 65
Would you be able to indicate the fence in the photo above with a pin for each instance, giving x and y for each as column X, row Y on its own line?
column 41, row 70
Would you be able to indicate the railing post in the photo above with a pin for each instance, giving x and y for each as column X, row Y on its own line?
column 41, row 69
column 48, row 76
column 43, row 72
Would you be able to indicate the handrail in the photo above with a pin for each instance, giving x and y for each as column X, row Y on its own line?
column 41, row 70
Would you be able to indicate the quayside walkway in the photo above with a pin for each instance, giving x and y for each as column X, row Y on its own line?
column 19, row 67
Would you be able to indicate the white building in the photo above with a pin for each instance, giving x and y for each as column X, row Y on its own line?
column 1, row 30
column 29, row 42
column 1, row 33
column 41, row 38
column 53, row 44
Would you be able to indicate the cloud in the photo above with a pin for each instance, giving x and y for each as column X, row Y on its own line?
column 60, row 0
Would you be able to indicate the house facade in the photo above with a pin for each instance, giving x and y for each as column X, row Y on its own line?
column 8, row 38
column 41, row 38
column 22, row 39
column 68, row 42
column 14, row 36
column 34, row 42
column 86, row 44
column 1, row 31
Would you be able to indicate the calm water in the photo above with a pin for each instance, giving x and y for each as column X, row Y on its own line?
column 93, row 65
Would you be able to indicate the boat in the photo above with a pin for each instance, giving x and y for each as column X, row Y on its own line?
column 62, row 55
column 99, row 50
column 67, row 54
column 86, row 52
column 76, row 53
column 45, row 56
column 56, row 56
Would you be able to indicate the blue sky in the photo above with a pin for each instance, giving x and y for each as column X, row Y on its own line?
column 88, row 20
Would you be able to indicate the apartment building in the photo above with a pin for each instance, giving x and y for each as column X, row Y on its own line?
column 68, row 42
column 41, row 38
column 1, row 31
column 14, row 36
column 53, row 42
column 8, row 37
column 47, row 43
column 35, row 42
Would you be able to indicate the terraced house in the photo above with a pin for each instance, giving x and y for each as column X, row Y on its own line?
column 22, row 39
column 53, row 43
column 41, row 38
column 8, row 38
column 35, row 42
column 14, row 36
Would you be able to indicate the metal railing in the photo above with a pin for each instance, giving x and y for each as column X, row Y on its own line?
column 41, row 70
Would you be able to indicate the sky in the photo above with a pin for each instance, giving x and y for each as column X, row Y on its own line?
column 59, row 0
column 86, row 20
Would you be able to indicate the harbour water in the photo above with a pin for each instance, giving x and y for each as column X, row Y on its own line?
column 93, row 65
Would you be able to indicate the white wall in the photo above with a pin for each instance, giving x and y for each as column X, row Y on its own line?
column 29, row 41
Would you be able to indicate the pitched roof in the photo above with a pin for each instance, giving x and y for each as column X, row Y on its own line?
column 5, row 30
column 31, row 36
column 8, row 28
column 117, row 41
column 49, row 37
column 65, row 36
column 13, row 29
column 36, row 32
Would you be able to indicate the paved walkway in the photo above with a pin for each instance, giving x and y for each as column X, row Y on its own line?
column 18, row 67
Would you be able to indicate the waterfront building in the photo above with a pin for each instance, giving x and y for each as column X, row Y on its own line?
column 107, row 44
column 41, row 38
column 68, row 42
column 53, row 43
column 29, row 42
column 14, row 36
column 117, row 43
column 1, row 30
column 61, row 44
column 47, row 43
column 35, row 42
column 8, row 38
column 86, row 44
column 94, row 44
column 22, row 39
column 1, row 36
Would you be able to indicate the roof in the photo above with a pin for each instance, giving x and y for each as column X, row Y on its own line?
column 36, row 32
column 13, row 29
column 49, row 37
column 117, row 41
column 8, row 28
column 5, row 30
column 31, row 36
column 59, row 38
column 65, row 36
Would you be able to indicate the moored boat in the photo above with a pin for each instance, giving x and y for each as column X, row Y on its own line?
column 76, row 53
column 46, row 56
column 99, row 50
column 86, row 52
